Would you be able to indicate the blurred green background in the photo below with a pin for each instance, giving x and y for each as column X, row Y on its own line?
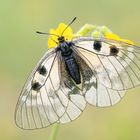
column 21, row 48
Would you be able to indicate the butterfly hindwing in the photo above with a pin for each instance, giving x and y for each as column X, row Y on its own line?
column 96, row 93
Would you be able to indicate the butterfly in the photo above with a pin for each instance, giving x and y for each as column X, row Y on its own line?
column 74, row 72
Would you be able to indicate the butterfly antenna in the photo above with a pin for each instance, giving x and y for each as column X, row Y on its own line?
column 46, row 33
column 68, row 25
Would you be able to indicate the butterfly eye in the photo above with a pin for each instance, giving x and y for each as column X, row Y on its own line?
column 97, row 45
column 36, row 86
column 42, row 70
column 114, row 50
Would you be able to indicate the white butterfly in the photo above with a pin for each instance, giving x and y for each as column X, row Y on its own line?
column 84, row 70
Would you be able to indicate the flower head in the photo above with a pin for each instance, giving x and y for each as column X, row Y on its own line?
column 53, row 40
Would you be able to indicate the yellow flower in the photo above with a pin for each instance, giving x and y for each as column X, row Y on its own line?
column 117, row 38
column 53, row 40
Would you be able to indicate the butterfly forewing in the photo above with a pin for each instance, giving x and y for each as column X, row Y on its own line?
column 34, row 108
column 118, row 71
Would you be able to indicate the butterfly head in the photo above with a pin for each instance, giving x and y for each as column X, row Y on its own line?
column 61, row 39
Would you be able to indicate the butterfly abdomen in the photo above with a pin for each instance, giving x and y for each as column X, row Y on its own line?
column 73, row 68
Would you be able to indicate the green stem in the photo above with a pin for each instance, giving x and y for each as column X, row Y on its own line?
column 54, row 132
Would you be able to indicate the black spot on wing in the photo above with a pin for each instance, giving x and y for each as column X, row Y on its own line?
column 114, row 50
column 42, row 70
column 97, row 45
column 36, row 86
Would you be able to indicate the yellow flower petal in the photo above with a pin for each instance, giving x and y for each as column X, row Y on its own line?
column 127, row 41
column 51, row 43
column 68, row 34
column 61, row 28
column 52, row 31
column 112, row 36
column 117, row 38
